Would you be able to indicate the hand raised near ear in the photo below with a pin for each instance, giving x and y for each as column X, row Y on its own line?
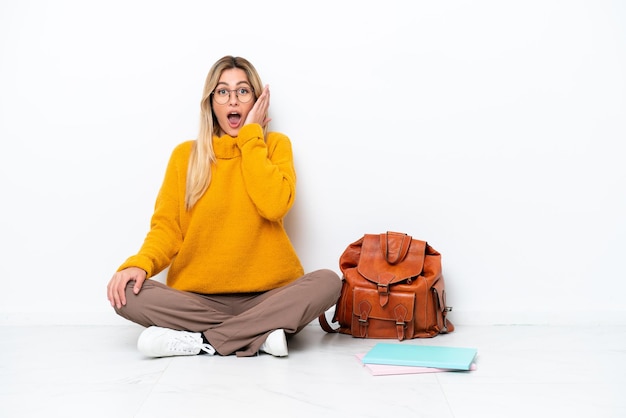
column 258, row 113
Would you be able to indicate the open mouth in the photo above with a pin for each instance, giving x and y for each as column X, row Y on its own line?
column 234, row 119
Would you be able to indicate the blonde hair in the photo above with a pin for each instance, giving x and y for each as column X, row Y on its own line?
column 202, row 154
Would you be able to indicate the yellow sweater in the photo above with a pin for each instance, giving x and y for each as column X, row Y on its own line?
column 233, row 239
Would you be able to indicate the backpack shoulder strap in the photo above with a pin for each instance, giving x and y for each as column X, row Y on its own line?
column 325, row 325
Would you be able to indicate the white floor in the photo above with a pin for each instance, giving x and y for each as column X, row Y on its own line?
column 522, row 371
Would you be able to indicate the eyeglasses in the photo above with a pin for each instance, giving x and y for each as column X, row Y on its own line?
column 244, row 95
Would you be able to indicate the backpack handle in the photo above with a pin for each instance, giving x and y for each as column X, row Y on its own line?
column 395, row 246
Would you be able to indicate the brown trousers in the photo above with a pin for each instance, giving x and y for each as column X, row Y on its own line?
column 234, row 323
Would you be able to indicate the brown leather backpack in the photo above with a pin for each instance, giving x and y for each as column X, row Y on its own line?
column 392, row 288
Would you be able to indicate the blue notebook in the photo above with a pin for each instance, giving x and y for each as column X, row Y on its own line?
column 455, row 358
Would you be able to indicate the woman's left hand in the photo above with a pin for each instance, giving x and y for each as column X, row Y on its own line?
column 258, row 113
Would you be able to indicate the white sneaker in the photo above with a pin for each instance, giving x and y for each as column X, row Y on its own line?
column 275, row 344
column 164, row 342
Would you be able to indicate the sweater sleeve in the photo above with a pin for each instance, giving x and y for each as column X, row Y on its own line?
column 165, row 236
column 268, row 171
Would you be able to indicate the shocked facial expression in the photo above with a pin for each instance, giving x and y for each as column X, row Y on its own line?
column 233, row 99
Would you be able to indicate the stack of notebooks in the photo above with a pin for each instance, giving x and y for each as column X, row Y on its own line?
column 398, row 358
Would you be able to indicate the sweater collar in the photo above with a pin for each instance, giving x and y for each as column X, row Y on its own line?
column 225, row 147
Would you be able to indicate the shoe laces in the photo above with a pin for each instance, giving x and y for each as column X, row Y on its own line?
column 188, row 343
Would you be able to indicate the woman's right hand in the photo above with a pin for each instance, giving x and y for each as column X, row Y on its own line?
column 116, row 289
column 258, row 113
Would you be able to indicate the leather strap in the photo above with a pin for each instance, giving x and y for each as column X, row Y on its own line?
column 395, row 246
column 325, row 325
column 364, row 312
column 400, row 312
column 383, row 287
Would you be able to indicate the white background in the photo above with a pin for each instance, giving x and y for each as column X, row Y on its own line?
column 493, row 130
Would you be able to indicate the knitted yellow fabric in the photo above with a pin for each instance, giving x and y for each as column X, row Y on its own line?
column 233, row 239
